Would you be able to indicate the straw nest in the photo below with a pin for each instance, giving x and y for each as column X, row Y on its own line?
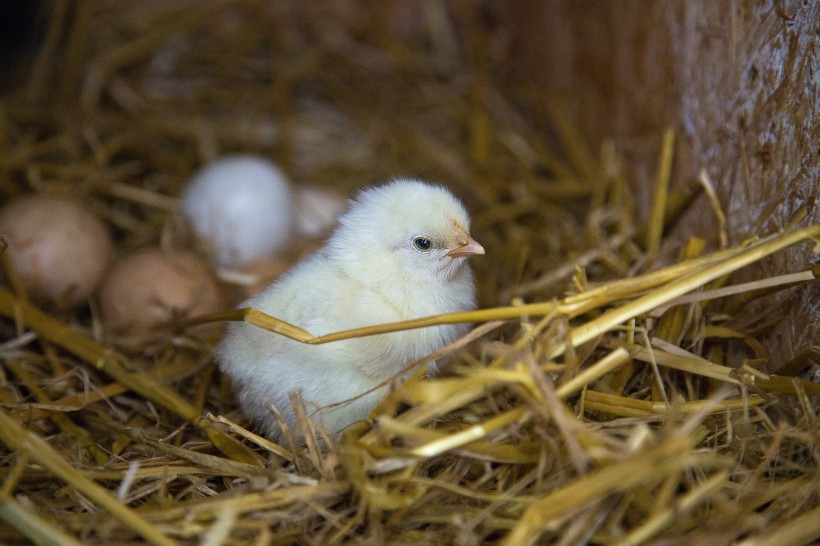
column 612, row 391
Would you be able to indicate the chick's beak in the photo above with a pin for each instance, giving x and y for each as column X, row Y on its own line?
column 467, row 246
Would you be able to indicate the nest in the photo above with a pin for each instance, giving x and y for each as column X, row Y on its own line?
column 613, row 390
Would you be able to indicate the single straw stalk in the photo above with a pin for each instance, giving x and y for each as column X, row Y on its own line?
column 654, row 232
column 779, row 282
column 623, row 406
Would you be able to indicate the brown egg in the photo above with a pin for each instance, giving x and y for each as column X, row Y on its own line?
column 59, row 249
column 148, row 288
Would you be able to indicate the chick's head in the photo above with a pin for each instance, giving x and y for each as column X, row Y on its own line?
column 407, row 228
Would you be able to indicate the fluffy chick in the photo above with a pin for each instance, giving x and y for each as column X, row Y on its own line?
column 398, row 253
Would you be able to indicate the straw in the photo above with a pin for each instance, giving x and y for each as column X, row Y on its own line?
column 625, row 379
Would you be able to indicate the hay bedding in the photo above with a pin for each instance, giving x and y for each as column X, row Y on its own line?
column 600, row 404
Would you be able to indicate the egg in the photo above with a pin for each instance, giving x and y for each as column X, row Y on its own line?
column 241, row 208
column 146, row 289
column 59, row 249
column 317, row 210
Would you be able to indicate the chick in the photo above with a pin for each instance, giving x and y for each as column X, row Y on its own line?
column 398, row 253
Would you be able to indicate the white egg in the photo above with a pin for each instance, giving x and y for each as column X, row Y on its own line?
column 317, row 210
column 241, row 207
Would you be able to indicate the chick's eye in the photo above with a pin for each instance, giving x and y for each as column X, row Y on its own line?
column 422, row 243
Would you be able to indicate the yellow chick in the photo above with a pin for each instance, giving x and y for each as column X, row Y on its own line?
column 399, row 252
